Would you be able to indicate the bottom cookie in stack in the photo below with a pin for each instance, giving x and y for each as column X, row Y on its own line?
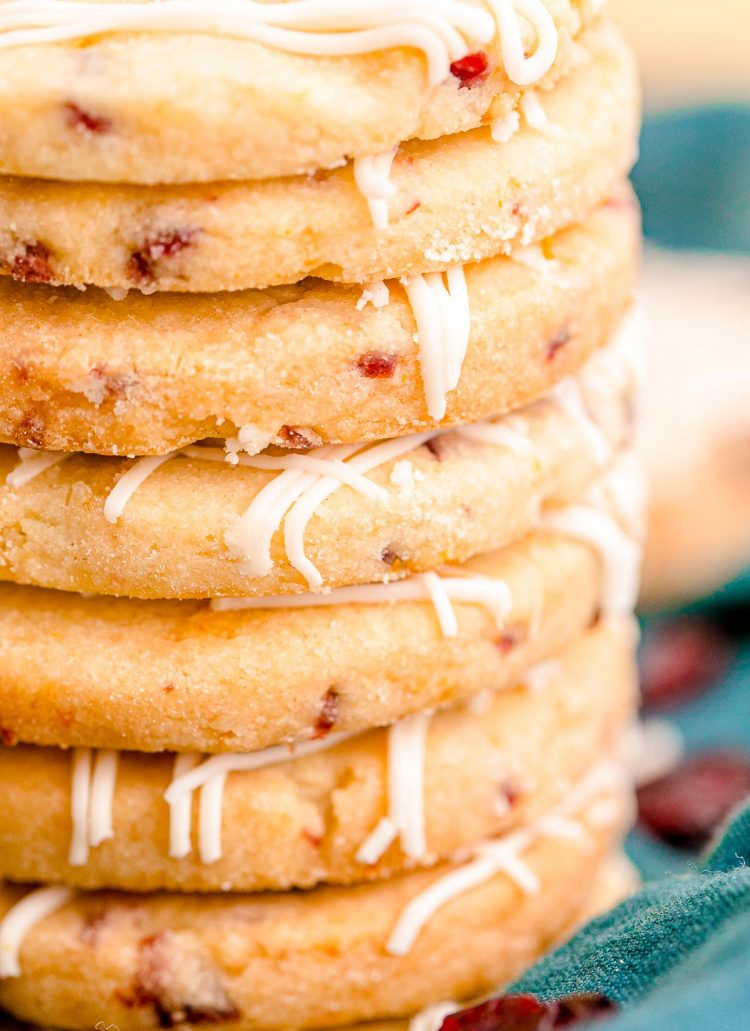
column 527, row 772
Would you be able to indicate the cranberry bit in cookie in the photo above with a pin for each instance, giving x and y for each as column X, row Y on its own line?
column 86, row 122
column 557, row 343
column 31, row 264
column 377, row 365
column 329, row 713
column 142, row 262
column 471, row 69
column 527, row 1013
column 687, row 806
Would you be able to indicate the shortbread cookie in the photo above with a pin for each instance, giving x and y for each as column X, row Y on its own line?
column 258, row 961
column 82, row 372
column 697, row 426
column 458, row 199
column 193, row 107
column 487, row 769
column 193, row 526
column 100, row 672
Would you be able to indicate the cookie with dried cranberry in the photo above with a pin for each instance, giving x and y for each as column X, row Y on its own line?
column 489, row 768
column 194, row 526
column 461, row 198
column 258, row 961
column 194, row 107
column 83, row 372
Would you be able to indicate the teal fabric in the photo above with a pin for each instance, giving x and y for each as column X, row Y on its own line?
column 676, row 957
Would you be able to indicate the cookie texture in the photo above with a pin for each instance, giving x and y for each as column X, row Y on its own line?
column 257, row 961
column 83, row 372
column 459, row 199
column 182, row 107
column 188, row 529
column 489, row 769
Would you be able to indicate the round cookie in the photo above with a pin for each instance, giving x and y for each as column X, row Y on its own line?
column 259, row 961
column 697, row 426
column 189, row 107
column 488, row 770
column 458, row 199
column 179, row 675
column 189, row 529
column 75, row 375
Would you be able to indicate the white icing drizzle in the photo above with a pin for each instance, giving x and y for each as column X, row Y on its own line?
column 511, row 432
column 621, row 555
column 250, row 439
column 93, row 779
column 373, row 178
column 209, row 776
column 431, row 1018
column 479, row 590
column 443, row 30
column 505, row 128
column 440, row 302
column 22, row 918
column 33, row 463
column 129, row 483
column 523, row 70
column 405, row 819
column 180, row 811
column 294, row 496
column 502, row 856
column 535, row 115
column 377, row 294
column 569, row 397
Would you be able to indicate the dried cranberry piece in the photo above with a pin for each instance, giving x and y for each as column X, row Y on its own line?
column 32, row 264
column 84, row 121
column 680, row 660
column 557, row 343
column 687, row 806
column 329, row 713
column 166, row 244
column 508, row 1013
column 470, row 69
column 377, row 364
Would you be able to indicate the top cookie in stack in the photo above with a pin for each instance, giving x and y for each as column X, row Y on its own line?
column 312, row 342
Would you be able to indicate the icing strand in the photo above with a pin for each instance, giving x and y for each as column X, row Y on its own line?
column 479, row 590
column 569, row 397
column 520, row 69
column 33, row 463
column 621, row 555
column 22, row 918
column 373, row 178
column 443, row 30
column 535, row 115
column 180, row 811
column 440, row 303
column 431, row 1018
column 129, row 483
column 93, row 777
column 209, row 776
column 405, row 819
column 492, row 858
column 511, row 432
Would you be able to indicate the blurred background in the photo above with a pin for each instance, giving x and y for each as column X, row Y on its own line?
column 693, row 180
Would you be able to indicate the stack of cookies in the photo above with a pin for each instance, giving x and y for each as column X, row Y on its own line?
column 319, row 518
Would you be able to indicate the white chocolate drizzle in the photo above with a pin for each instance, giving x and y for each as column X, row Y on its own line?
column 569, row 397
column 442, row 30
column 440, row 302
column 92, row 787
column 373, row 178
column 535, row 116
column 620, row 554
column 32, row 463
column 431, row 1018
column 209, row 776
column 441, row 590
column 405, row 820
column 129, row 483
column 504, row 855
column 22, row 918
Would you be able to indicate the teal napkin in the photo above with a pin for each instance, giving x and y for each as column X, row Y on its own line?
column 676, row 956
